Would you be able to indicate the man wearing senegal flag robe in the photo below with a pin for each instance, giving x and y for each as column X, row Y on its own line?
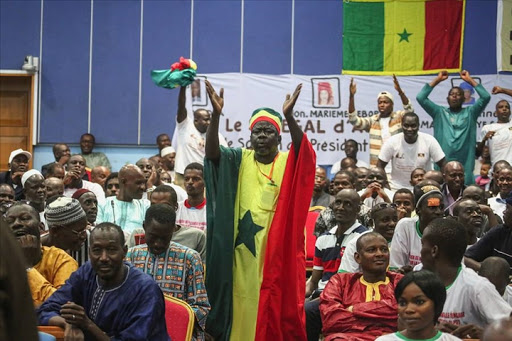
column 257, row 203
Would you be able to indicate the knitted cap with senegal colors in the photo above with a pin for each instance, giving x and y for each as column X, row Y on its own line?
column 268, row 115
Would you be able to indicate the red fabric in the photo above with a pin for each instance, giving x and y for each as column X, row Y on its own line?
column 79, row 193
column 310, row 238
column 281, row 306
column 177, row 319
column 266, row 119
column 368, row 319
column 181, row 65
column 443, row 34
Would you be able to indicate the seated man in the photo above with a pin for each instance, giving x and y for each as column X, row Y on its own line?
column 61, row 152
column 99, row 174
column 329, row 251
column 377, row 188
column 153, row 178
column 18, row 164
column 35, row 191
column 177, row 269
column 490, row 219
column 192, row 211
column 406, row 243
column 167, row 161
column 55, row 170
column 6, row 197
column 453, row 175
column 504, row 182
column 74, row 181
column 186, row 236
column 107, row 298
column 498, row 331
column 54, row 186
column 470, row 299
column 47, row 267
column 127, row 209
column 404, row 201
column 469, row 214
column 67, row 223
column 383, row 219
column 111, row 186
column 359, row 305
column 496, row 270
column 93, row 159
column 497, row 242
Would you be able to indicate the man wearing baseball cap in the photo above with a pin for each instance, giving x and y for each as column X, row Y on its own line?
column 383, row 125
column 18, row 164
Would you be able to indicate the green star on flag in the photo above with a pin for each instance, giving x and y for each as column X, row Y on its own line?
column 404, row 36
column 247, row 230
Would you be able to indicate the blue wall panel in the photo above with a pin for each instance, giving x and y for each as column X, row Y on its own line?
column 479, row 54
column 65, row 73
column 19, row 32
column 217, row 31
column 318, row 37
column 115, row 71
column 267, row 37
column 162, row 46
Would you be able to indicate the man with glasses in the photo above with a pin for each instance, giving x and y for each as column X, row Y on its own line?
column 18, row 164
column 67, row 223
column 48, row 267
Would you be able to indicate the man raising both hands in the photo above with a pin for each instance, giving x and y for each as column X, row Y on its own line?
column 455, row 126
column 257, row 203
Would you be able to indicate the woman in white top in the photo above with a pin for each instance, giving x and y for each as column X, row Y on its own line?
column 420, row 296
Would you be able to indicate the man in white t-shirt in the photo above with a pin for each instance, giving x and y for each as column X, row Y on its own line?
column 409, row 150
column 192, row 211
column 406, row 243
column 470, row 299
column 497, row 136
column 191, row 136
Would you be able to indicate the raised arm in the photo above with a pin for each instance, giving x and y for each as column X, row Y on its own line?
column 401, row 93
column 182, row 110
column 499, row 90
column 212, row 149
column 441, row 76
column 358, row 122
column 295, row 131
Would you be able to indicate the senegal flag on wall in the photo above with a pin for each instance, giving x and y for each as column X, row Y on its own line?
column 403, row 37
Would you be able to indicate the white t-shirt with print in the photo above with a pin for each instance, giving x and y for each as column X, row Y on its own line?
column 406, row 244
column 191, row 144
column 472, row 299
column 399, row 337
column 405, row 157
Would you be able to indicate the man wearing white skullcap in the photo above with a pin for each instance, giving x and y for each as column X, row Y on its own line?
column 167, row 159
column 35, row 191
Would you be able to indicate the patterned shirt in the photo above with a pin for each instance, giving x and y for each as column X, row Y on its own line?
column 179, row 273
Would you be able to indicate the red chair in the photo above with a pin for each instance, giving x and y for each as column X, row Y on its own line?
column 310, row 239
column 179, row 318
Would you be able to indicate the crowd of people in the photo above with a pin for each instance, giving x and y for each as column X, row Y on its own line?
column 414, row 245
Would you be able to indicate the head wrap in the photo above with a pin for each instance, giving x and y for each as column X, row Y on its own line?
column 63, row 211
column 79, row 193
column 426, row 191
column 268, row 115
column 17, row 152
column 167, row 150
column 28, row 174
column 385, row 94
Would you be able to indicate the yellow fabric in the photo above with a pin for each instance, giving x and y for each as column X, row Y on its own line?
column 50, row 273
column 403, row 55
column 372, row 289
column 247, row 269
